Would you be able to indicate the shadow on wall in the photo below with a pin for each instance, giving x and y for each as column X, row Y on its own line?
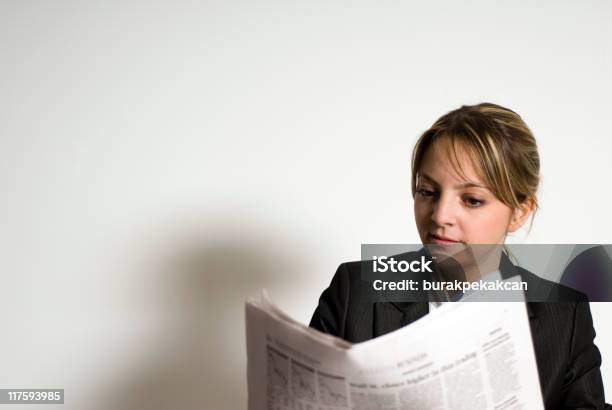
column 204, row 364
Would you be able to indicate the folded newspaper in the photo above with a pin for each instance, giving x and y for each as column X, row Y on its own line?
column 460, row 356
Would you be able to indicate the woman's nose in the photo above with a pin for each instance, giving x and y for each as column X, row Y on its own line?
column 443, row 212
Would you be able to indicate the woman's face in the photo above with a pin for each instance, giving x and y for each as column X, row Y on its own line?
column 449, row 208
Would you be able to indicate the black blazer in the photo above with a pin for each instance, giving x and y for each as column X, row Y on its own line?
column 568, row 361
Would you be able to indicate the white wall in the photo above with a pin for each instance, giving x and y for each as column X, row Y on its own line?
column 162, row 161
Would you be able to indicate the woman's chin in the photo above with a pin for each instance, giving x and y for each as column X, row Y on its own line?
column 441, row 249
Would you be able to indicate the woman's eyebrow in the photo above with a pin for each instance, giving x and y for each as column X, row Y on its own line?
column 468, row 184
column 427, row 177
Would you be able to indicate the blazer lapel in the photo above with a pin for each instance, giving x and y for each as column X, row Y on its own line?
column 508, row 270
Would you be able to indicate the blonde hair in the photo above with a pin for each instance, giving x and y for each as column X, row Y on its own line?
column 501, row 146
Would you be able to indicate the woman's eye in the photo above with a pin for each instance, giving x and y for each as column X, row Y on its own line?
column 426, row 192
column 473, row 202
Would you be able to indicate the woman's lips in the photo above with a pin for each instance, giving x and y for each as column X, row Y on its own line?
column 440, row 240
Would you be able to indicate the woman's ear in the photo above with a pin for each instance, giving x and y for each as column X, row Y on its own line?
column 520, row 214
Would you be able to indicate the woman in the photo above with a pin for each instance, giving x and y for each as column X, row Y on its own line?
column 475, row 174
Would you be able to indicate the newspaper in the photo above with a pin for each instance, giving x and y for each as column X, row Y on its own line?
column 460, row 356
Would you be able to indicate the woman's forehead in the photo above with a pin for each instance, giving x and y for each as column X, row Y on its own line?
column 450, row 160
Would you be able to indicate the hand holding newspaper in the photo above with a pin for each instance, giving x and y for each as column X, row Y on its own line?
column 460, row 356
